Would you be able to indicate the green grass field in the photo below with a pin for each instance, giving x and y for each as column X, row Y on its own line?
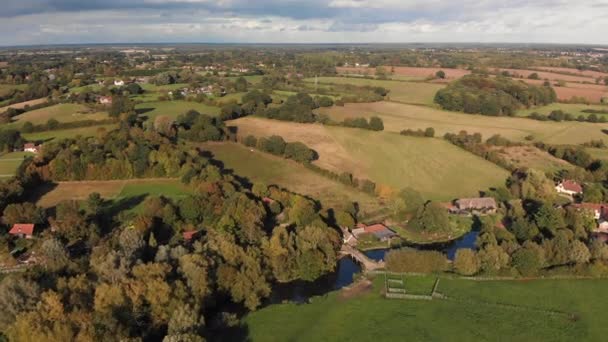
column 174, row 108
column 397, row 116
column 406, row 92
column 9, row 163
column 7, row 88
column 574, row 109
column 476, row 313
column 253, row 79
column 264, row 168
column 64, row 112
column 67, row 133
column 434, row 167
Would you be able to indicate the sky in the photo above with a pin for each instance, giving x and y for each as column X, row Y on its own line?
column 33, row 22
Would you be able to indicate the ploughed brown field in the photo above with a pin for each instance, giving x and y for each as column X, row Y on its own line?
column 546, row 75
column 592, row 92
column 408, row 71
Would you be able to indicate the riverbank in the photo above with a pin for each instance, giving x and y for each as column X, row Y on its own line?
column 526, row 310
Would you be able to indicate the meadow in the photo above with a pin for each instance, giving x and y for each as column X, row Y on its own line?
column 21, row 105
column 63, row 112
column 406, row 92
column 397, row 117
column 571, row 108
column 267, row 169
column 434, row 167
column 113, row 190
column 598, row 153
column 534, row 158
column 10, row 162
column 174, row 108
column 534, row 310
column 68, row 133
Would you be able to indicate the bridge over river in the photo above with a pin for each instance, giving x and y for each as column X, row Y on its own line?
column 367, row 264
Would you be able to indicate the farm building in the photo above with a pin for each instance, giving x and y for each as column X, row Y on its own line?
column 382, row 232
column 119, row 83
column 478, row 205
column 31, row 147
column 569, row 187
column 23, row 230
column 105, row 100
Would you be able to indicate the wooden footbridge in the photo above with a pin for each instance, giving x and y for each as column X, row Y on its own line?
column 367, row 264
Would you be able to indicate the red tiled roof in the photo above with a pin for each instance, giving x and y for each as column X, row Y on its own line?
column 378, row 227
column 572, row 186
column 29, row 145
column 189, row 234
column 22, row 228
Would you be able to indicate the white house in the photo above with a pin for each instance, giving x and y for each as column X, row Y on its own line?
column 31, row 147
column 569, row 187
column 119, row 83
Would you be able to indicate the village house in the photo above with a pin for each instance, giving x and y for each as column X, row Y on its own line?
column 569, row 187
column 22, row 230
column 380, row 231
column 478, row 206
column 119, row 83
column 600, row 214
column 105, row 100
column 31, row 147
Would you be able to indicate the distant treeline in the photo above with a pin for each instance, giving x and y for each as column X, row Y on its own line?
column 560, row 115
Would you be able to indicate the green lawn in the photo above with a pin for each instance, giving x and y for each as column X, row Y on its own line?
column 64, row 112
column 264, row 168
column 9, row 163
column 406, row 92
column 398, row 116
column 574, row 109
column 174, row 108
column 67, row 133
column 474, row 314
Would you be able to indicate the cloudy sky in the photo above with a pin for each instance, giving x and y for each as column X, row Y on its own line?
column 24, row 22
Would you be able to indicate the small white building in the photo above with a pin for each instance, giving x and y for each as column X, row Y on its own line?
column 569, row 187
column 119, row 83
column 31, row 147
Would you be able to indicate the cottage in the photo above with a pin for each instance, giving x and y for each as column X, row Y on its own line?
column 31, row 147
column 382, row 232
column 189, row 235
column 569, row 187
column 105, row 100
column 119, row 83
column 478, row 205
column 22, row 230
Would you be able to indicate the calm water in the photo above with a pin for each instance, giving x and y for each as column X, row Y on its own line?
column 301, row 291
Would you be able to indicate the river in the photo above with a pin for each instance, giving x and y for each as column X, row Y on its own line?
column 301, row 291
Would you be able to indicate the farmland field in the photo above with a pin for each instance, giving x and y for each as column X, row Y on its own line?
column 268, row 169
column 113, row 189
column 20, row 105
column 174, row 108
column 588, row 73
column 598, row 153
column 434, row 167
column 67, row 133
column 534, row 158
column 9, row 163
column 5, row 89
column 574, row 109
column 65, row 112
column 524, row 310
column 397, row 116
column 407, row 92
column 407, row 72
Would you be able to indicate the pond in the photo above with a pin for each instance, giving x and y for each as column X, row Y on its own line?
column 301, row 291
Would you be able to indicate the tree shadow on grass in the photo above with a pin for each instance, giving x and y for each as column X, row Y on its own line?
column 40, row 191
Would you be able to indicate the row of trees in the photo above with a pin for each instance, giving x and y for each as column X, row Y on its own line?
column 276, row 145
column 559, row 115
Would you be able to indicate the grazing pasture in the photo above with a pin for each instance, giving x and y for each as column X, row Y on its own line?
column 572, row 108
column 434, row 167
column 64, row 112
column 112, row 189
column 260, row 167
column 68, row 133
column 174, row 108
column 21, row 105
column 534, row 158
column 10, row 162
column 551, row 310
column 397, row 117
column 406, row 92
